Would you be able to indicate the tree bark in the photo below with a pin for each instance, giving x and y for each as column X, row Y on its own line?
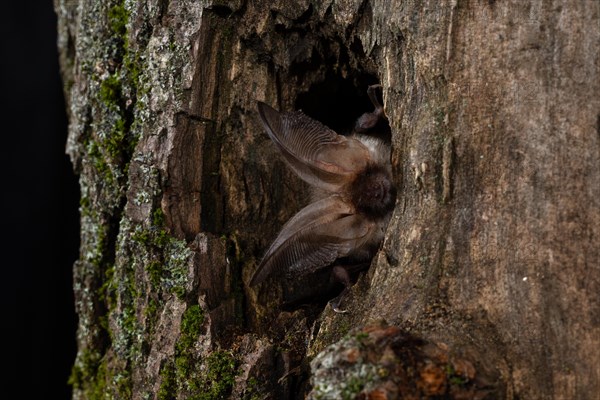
column 488, row 278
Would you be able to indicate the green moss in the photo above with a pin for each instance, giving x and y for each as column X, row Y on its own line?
column 110, row 90
column 84, row 204
column 253, row 390
column 179, row 292
column 360, row 336
column 157, row 238
column 185, row 375
column 168, row 384
column 177, row 259
column 132, row 65
column 161, row 238
column 353, row 387
column 151, row 309
column 123, row 383
column 184, row 366
column 117, row 143
column 89, row 374
column 84, row 369
column 154, row 270
column 97, row 389
column 457, row 380
column 100, row 164
column 167, row 263
column 141, row 235
column 106, row 293
column 128, row 323
column 220, row 376
column 191, row 323
column 453, row 377
column 114, row 143
column 117, row 19
column 158, row 218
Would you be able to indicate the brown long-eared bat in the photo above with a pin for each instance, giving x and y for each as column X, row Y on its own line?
column 353, row 195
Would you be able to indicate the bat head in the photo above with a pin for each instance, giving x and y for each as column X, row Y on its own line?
column 373, row 192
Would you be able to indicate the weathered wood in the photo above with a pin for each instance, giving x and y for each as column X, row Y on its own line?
column 493, row 249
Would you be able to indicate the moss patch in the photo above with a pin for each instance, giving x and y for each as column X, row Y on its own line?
column 190, row 376
column 220, row 376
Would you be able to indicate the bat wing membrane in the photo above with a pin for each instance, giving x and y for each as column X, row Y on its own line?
column 314, row 238
column 316, row 153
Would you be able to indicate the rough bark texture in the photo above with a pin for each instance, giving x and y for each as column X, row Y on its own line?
column 488, row 279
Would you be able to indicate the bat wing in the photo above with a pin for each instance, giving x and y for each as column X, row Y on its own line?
column 314, row 238
column 316, row 153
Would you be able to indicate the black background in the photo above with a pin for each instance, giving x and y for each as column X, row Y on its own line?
column 39, row 206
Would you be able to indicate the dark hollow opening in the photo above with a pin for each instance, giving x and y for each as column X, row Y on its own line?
column 337, row 101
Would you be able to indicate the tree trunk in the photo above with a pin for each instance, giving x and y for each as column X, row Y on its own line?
column 487, row 282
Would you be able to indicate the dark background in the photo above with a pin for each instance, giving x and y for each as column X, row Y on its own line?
column 39, row 205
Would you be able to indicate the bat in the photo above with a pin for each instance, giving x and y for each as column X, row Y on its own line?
column 353, row 195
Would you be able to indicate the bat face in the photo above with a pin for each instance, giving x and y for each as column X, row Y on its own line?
column 353, row 196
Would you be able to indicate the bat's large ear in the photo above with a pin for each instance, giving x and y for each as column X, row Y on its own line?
column 316, row 153
column 314, row 238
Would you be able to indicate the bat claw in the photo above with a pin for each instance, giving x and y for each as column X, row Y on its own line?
column 335, row 304
column 338, row 310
